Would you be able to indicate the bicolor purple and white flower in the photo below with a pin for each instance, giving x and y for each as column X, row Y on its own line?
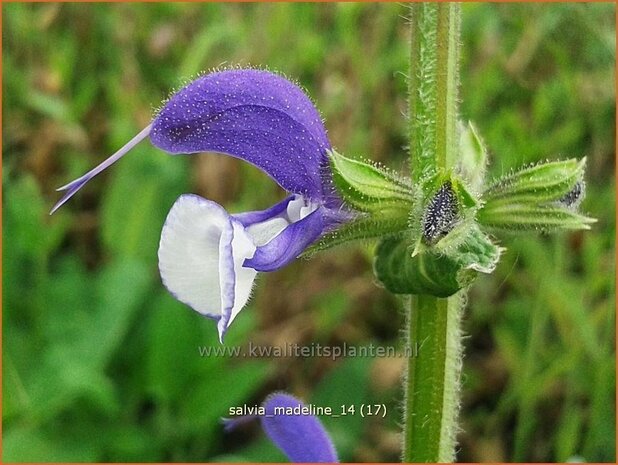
column 208, row 258
column 301, row 437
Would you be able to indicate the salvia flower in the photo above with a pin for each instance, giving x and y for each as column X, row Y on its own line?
column 300, row 436
column 208, row 258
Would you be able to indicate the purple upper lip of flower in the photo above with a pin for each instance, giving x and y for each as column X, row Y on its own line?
column 208, row 258
column 253, row 115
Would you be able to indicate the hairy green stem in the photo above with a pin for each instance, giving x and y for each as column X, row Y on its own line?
column 432, row 87
column 431, row 386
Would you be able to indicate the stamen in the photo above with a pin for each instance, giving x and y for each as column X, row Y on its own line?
column 76, row 185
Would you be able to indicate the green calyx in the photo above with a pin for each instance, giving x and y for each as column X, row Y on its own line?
column 364, row 227
column 540, row 183
column 542, row 197
column 369, row 188
column 429, row 240
column 382, row 202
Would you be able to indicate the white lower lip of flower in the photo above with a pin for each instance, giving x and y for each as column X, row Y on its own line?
column 201, row 253
column 203, row 249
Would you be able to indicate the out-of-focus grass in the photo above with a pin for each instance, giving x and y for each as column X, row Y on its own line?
column 101, row 364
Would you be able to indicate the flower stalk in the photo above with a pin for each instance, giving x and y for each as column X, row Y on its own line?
column 431, row 386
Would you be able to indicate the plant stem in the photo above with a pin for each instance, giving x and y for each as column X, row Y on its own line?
column 432, row 87
column 432, row 383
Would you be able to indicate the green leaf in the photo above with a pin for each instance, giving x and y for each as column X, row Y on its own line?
column 26, row 216
column 432, row 272
column 367, row 187
column 121, row 289
column 211, row 396
column 165, row 350
column 26, row 444
column 75, row 439
column 131, row 443
column 63, row 379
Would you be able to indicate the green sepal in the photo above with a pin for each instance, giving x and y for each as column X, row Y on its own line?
column 543, row 197
column 538, row 184
column 440, row 274
column 363, row 228
column 522, row 217
column 466, row 199
column 369, row 188
column 472, row 161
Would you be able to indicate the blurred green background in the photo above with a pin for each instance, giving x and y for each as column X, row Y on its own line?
column 99, row 363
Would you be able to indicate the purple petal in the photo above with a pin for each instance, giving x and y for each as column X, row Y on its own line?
column 289, row 244
column 249, row 218
column 253, row 115
column 301, row 437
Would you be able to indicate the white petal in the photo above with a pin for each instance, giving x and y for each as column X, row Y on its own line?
column 262, row 233
column 300, row 207
column 200, row 258
column 293, row 210
column 310, row 208
column 242, row 248
column 189, row 253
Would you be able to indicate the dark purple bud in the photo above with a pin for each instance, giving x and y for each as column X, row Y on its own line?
column 441, row 214
column 574, row 197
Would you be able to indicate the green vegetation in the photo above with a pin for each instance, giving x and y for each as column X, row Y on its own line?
column 101, row 364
